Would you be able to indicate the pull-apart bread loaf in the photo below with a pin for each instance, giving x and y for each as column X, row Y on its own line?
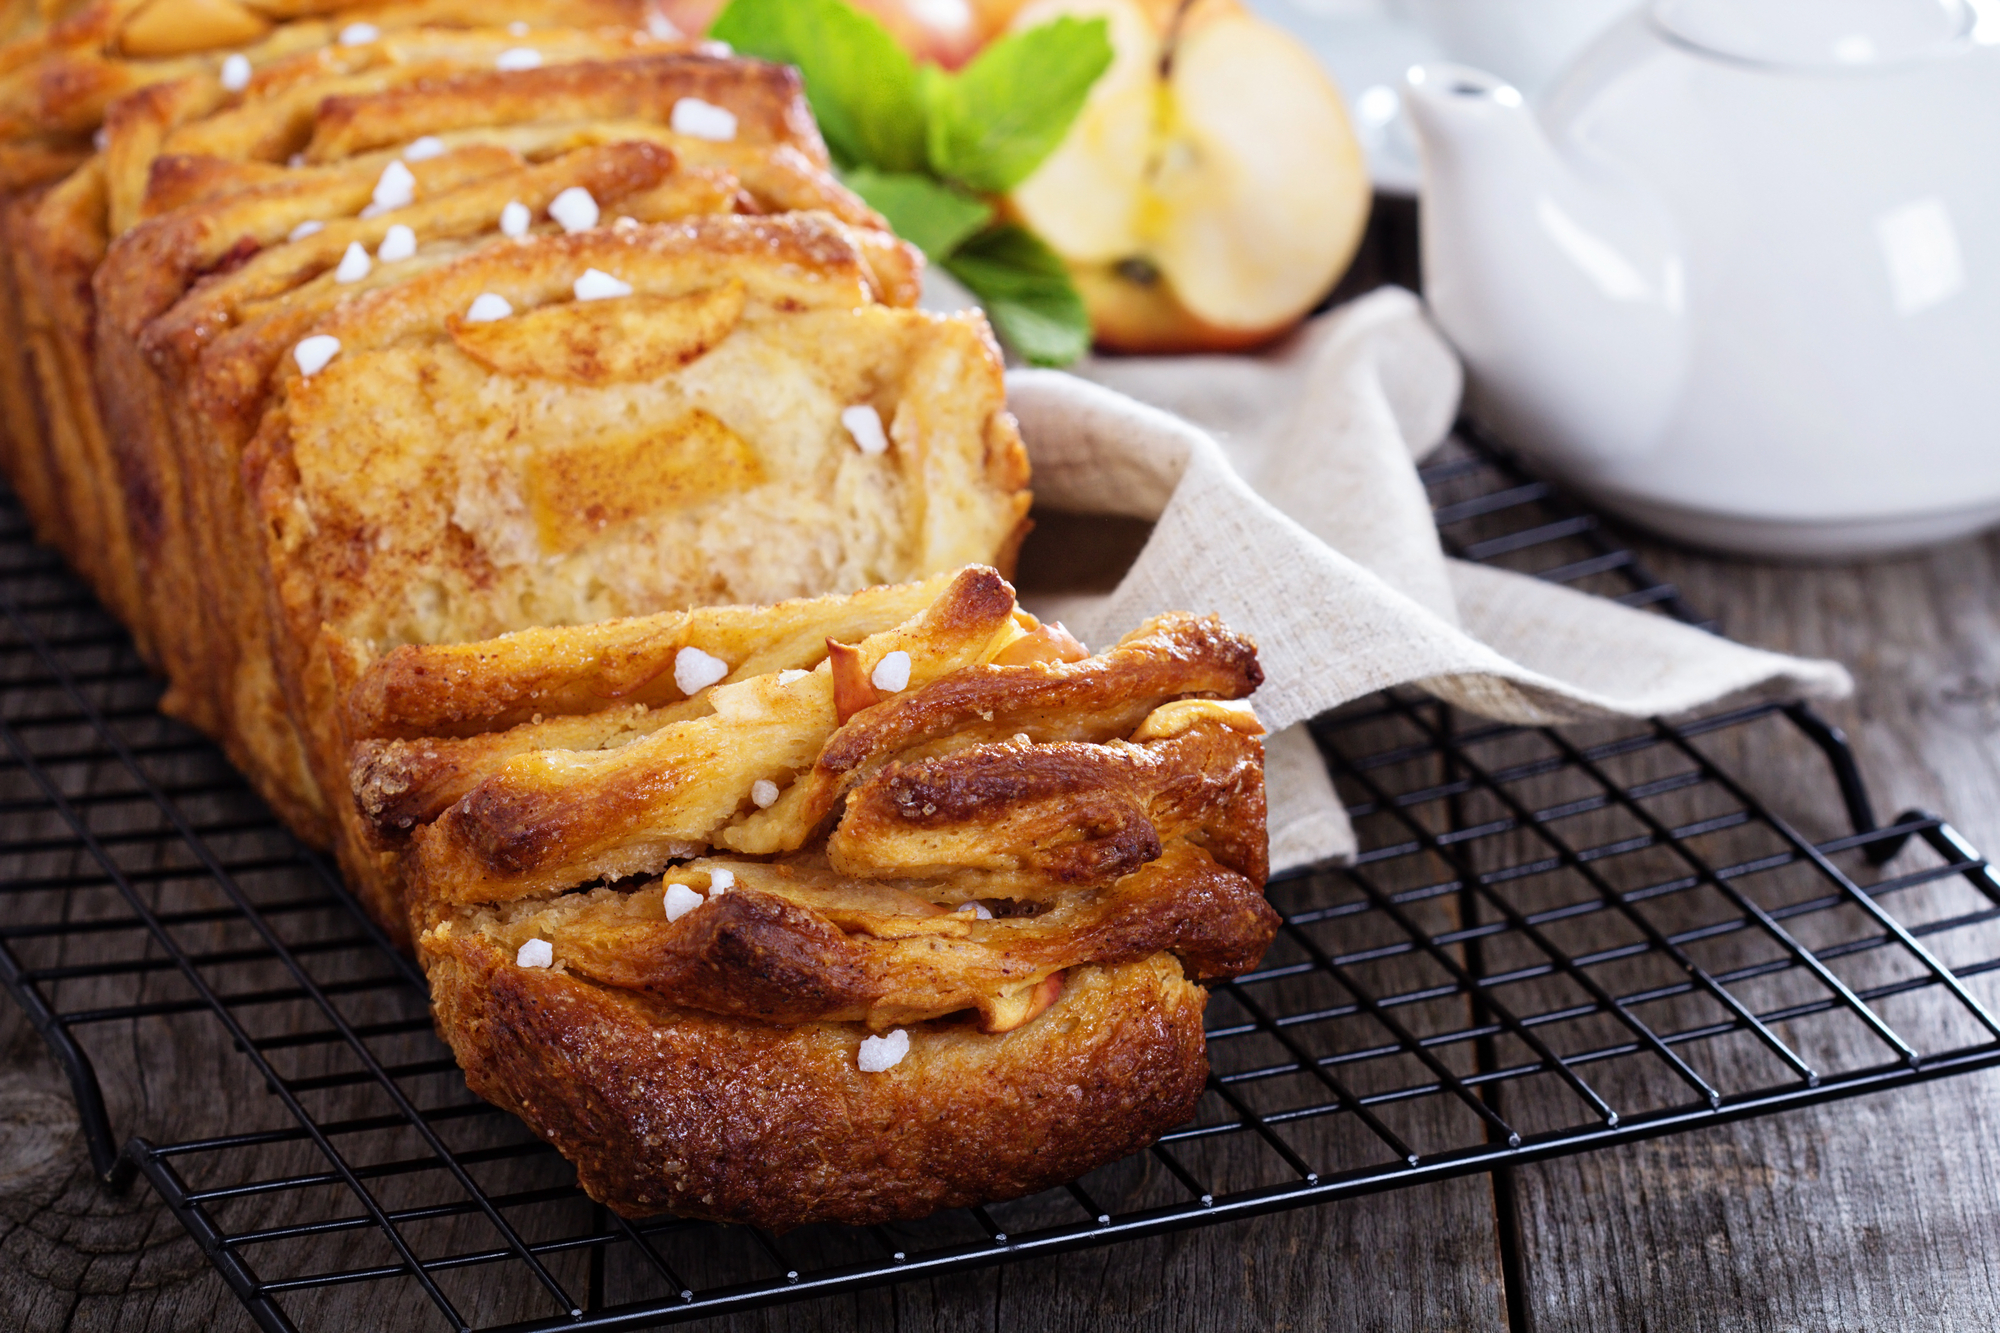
column 690, row 889
column 522, row 453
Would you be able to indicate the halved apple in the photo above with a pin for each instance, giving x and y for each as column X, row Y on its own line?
column 1211, row 191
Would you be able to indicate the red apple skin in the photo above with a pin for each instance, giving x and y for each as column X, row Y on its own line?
column 950, row 48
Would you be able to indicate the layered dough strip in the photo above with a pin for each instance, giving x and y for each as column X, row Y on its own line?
column 538, row 821
column 1004, row 809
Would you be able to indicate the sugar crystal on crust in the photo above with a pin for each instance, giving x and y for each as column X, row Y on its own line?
column 313, row 353
column 695, row 670
column 881, row 1054
column 395, row 189
column 892, row 673
column 864, row 423
column 399, row 243
column 354, row 264
column 487, row 307
column 597, row 285
column 680, row 900
column 575, row 209
column 703, row 120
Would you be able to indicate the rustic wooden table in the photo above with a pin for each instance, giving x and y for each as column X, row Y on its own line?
column 1875, row 1214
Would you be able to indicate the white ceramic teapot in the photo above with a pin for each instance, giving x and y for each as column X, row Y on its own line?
column 1738, row 275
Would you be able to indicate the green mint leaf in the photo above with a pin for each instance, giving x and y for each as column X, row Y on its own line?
column 860, row 81
column 929, row 215
column 992, row 123
column 1027, row 294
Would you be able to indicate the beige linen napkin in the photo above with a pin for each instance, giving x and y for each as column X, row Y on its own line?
column 1285, row 499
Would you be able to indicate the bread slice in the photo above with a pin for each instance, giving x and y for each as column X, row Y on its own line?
column 1006, row 763
column 58, row 240
column 275, row 115
column 60, row 79
column 192, row 306
column 1008, row 907
column 513, row 822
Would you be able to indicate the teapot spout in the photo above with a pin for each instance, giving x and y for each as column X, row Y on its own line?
column 1559, row 279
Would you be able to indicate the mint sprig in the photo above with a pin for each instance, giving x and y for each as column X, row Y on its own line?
column 927, row 213
column 1027, row 291
column 862, row 85
column 993, row 123
column 927, row 149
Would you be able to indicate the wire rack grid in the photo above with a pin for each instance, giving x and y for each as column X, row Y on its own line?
column 1552, row 940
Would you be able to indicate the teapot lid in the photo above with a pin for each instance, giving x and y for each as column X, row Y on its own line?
column 1818, row 33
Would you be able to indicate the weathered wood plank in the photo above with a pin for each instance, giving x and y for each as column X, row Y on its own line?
column 1882, row 1213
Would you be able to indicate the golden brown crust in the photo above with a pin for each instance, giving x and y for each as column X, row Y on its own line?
column 272, row 119
column 40, row 160
column 425, row 690
column 767, row 100
column 23, row 432
column 56, row 248
column 1075, row 813
column 665, row 1109
column 787, row 946
column 63, row 78
column 546, row 821
column 1168, row 657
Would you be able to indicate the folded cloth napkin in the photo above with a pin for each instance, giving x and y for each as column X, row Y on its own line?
column 1284, row 498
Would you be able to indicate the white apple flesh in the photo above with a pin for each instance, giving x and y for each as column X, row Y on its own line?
column 1215, row 154
column 1084, row 199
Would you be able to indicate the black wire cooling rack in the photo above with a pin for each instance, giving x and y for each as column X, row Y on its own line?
column 1553, row 940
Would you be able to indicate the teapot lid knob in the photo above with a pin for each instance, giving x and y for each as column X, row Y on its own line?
column 1821, row 33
